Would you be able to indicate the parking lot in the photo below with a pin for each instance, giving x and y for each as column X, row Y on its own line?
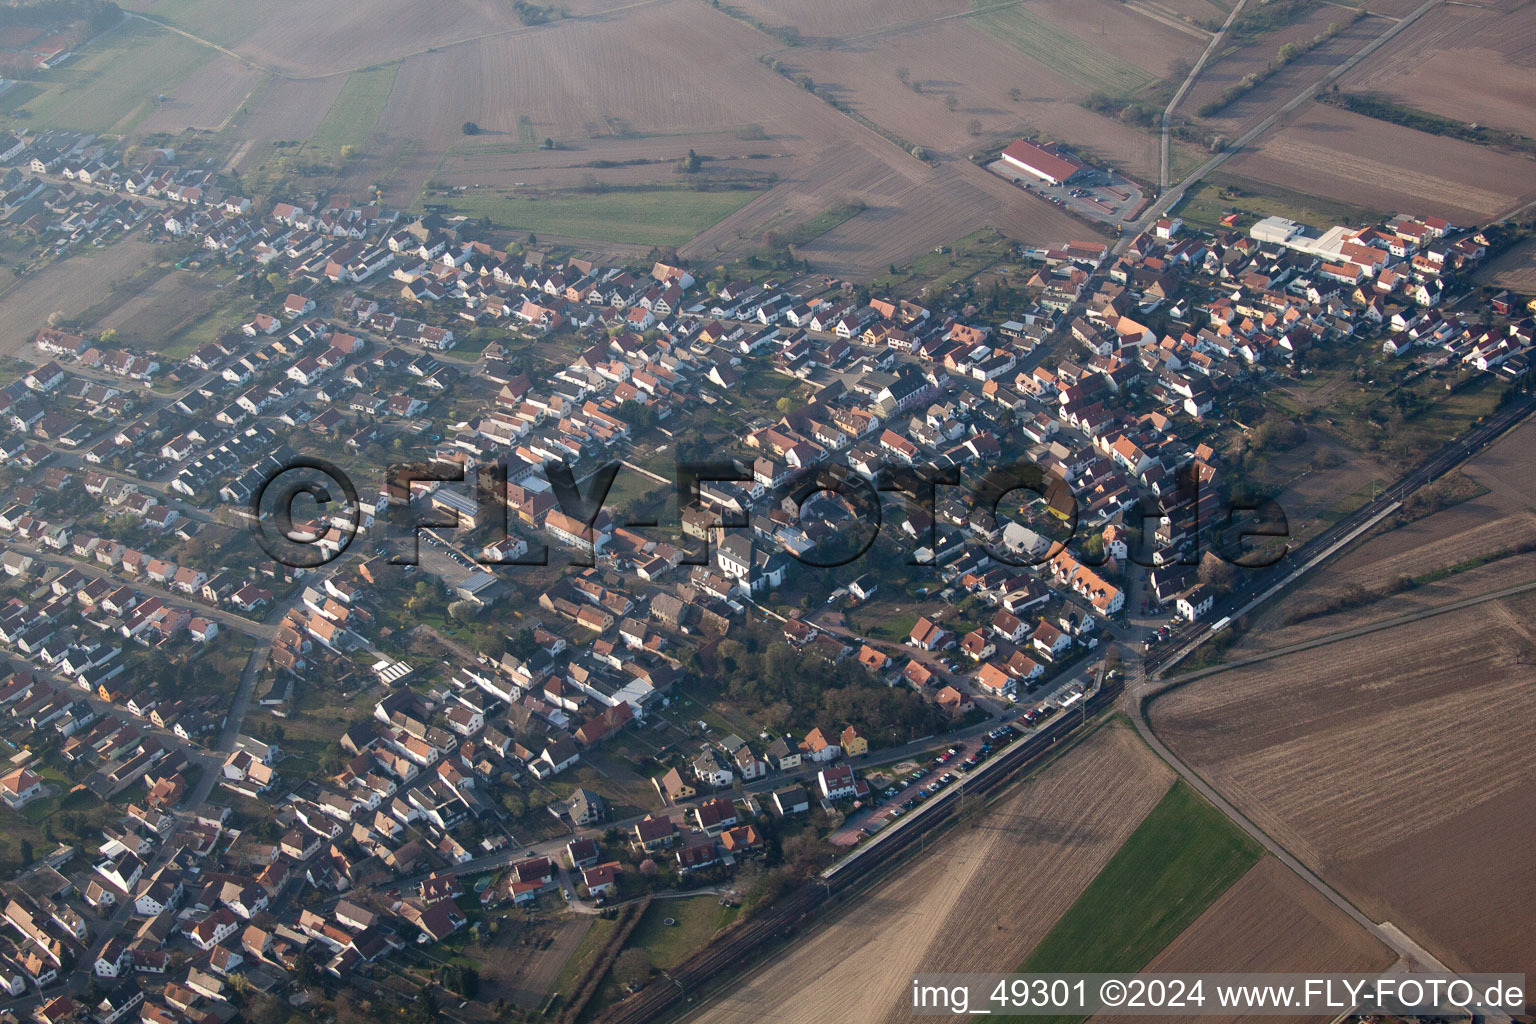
column 1108, row 197
column 924, row 781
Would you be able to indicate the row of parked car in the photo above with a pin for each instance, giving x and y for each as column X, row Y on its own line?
column 1039, row 714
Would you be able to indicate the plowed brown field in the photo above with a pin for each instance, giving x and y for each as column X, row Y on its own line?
column 1467, row 62
column 1398, row 765
column 1269, row 922
column 978, row 901
column 1375, row 164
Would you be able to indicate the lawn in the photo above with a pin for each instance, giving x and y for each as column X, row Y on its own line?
column 697, row 919
column 1179, row 859
column 108, row 88
column 355, row 111
column 586, row 950
column 1058, row 49
column 1204, row 205
column 646, row 215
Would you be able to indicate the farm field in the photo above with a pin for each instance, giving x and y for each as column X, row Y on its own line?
column 203, row 99
column 658, row 216
column 1033, row 32
column 628, row 128
column 1515, row 269
column 1363, row 161
column 1269, row 921
column 978, row 901
column 1281, row 86
column 70, row 288
column 113, row 84
column 828, row 19
column 867, row 75
column 1182, row 856
column 1491, row 525
column 1427, row 66
column 1369, row 760
column 302, row 39
column 354, row 112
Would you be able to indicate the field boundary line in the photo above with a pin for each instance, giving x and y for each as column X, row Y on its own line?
column 1347, row 634
column 1171, row 198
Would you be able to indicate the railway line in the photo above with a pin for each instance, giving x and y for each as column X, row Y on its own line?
column 1270, row 582
column 675, row 990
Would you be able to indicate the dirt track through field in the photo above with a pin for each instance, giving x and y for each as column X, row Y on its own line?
column 978, row 901
column 1380, row 763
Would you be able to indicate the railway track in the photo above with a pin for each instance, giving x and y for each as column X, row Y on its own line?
column 676, row 989
column 1185, row 640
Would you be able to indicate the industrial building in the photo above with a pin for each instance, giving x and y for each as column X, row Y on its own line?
column 1049, row 163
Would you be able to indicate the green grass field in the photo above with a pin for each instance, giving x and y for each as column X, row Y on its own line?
column 644, row 216
column 112, row 85
column 1205, row 204
column 697, row 917
column 1059, row 50
column 355, row 111
column 1181, row 857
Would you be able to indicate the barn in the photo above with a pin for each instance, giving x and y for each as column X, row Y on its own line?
column 1050, row 163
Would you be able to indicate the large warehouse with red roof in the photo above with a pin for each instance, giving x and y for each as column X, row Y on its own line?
column 1050, row 163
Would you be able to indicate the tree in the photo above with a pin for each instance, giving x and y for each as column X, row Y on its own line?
column 950, row 103
column 348, row 152
column 632, row 968
column 1288, row 53
column 1216, row 573
column 1016, row 94
column 462, row 980
column 27, row 856
column 470, row 128
column 691, row 163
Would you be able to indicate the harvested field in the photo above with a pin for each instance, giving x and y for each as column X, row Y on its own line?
column 864, row 75
column 1119, row 30
column 1280, row 87
column 156, row 313
column 204, row 99
column 69, row 287
column 1427, row 66
column 1398, row 765
column 1359, row 160
column 305, row 39
column 1194, row 11
column 1269, row 921
column 823, row 19
column 1040, row 32
column 1515, row 269
column 283, row 110
column 112, row 85
column 979, row 901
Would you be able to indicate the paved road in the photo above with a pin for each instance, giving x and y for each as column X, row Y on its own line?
column 1171, row 197
column 1348, row 634
column 1272, row 582
column 1390, row 936
column 1189, row 80
column 197, row 605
